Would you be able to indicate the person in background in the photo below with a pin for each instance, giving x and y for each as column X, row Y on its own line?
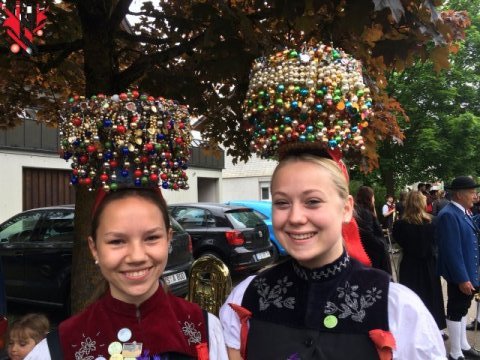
column 440, row 202
column 458, row 262
column 136, row 317
column 400, row 204
column 415, row 233
column 24, row 333
column 388, row 213
column 322, row 303
column 371, row 232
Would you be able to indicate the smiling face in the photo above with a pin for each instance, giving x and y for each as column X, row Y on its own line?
column 308, row 212
column 131, row 248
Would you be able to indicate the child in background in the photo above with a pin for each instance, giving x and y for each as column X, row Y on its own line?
column 24, row 333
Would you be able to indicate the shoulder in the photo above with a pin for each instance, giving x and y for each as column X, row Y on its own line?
column 39, row 352
column 415, row 331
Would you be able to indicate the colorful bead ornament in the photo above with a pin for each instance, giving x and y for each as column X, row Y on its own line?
column 126, row 138
column 316, row 94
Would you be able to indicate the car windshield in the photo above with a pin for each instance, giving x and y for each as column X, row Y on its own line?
column 242, row 219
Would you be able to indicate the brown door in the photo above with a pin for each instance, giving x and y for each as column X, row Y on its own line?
column 46, row 187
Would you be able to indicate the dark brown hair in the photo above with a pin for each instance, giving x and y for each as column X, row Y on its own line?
column 364, row 198
column 149, row 194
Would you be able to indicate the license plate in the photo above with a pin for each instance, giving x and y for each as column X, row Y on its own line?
column 175, row 278
column 263, row 255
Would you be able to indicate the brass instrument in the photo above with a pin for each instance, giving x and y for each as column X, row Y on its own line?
column 209, row 283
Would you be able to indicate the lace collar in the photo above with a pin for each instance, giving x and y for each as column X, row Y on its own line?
column 324, row 272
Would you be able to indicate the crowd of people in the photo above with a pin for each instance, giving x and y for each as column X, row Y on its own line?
column 333, row 298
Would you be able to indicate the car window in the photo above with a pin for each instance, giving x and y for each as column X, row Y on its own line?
column 193, row 217
column 57, row 226
column 20, row 228
column 260, row 215
column 243, row 219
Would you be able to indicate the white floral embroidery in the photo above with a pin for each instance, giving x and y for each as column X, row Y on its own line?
column 354, row 305
column 86, row 347
column 190, row 331
column 274, row 295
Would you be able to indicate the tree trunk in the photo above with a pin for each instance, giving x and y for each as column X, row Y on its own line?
column 99, row 77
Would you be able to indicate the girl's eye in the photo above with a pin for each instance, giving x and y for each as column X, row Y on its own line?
column 280, row 204
column 313, row 202
column 154, row 237
column 115, row 242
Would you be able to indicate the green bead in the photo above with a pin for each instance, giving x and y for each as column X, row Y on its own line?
column 360, row 93
column 338, row 92
column 113, row 186
column 158, row 147
column 260, row 108
column 319, row 93
column 281, row 128
column 311, row 137
column 335, row 54
column 337, row 98
column 293, row 54
column 319, row 125
column 143, row 97
column 297, row 89
column 108, row 144
column 274, row 138
column 279, row 101
column 250, row 102
column 144, row 180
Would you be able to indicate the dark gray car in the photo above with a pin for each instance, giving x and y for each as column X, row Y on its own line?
column 36, row 252
column 235, row 234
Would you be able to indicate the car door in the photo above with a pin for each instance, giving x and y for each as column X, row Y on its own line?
column 48, row 257
column 193, row 220
column 14, row 234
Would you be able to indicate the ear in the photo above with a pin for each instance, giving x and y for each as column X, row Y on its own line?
column 93, row 248
column 348, row 209
column 170, row 235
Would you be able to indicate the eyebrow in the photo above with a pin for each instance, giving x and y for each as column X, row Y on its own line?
column 148, row 232
column 306, row 192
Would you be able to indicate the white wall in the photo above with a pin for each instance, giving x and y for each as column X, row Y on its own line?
column 12, row 163
column 11, row 167
column 245, row 188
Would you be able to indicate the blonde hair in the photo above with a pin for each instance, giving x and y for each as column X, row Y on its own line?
column 415, row 206
column 35, row 326
column 328, row 165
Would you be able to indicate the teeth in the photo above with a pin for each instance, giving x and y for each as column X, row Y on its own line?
column 301, row 236
column 135, row 274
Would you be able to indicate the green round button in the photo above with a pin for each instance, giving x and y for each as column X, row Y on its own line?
column 330, row 321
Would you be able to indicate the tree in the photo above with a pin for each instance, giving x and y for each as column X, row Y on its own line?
column 199, row 52
column 441, row 134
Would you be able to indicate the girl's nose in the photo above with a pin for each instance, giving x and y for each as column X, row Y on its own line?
column 136, row 251
column 297, row 214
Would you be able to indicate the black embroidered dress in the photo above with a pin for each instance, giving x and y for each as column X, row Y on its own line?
column 326, row 313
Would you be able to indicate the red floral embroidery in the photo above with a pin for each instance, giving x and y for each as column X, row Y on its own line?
column 384, row 342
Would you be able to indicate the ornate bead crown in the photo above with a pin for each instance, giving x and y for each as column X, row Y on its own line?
column 127, row 138
column 315, row 94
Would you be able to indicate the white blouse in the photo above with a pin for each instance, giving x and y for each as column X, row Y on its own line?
column 413, row 327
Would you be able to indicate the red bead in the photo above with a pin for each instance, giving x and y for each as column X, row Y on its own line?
column 76, row 121
column 113, row 163
column 163, row 176
column 135, row 94
column 123, row 96
column 137, row 173
column 134, row 118
column 144, row 159
column 151, row 98
column 149, row 147
column 91, row 148
column 179, row 140
column 104, row 177
column 154, row 177
column 83, row 159
column 121, row 129
column 88, row 181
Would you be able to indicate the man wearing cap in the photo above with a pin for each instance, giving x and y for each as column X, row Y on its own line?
column 458, row 262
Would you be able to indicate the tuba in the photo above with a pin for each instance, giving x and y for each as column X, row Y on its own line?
column 209, row 283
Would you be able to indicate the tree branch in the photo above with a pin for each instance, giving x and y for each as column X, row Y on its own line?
column 118, row 14
column 141, row 38
column 138, row 68
column 71, row 46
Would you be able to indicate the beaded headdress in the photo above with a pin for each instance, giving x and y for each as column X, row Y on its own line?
column 315, row 94
column 128, row 138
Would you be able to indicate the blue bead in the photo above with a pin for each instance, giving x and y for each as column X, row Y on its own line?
column 318, row 107
column 302, row 138
column 138, row 182
column 287, row 120
column 74, row 180
column 165, row 185
column 124, row 173
column 125, row 151
column 107, row 122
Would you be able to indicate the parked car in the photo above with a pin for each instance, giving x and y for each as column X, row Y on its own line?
column 36, row 252
column 235, row 234
column 264, row 210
